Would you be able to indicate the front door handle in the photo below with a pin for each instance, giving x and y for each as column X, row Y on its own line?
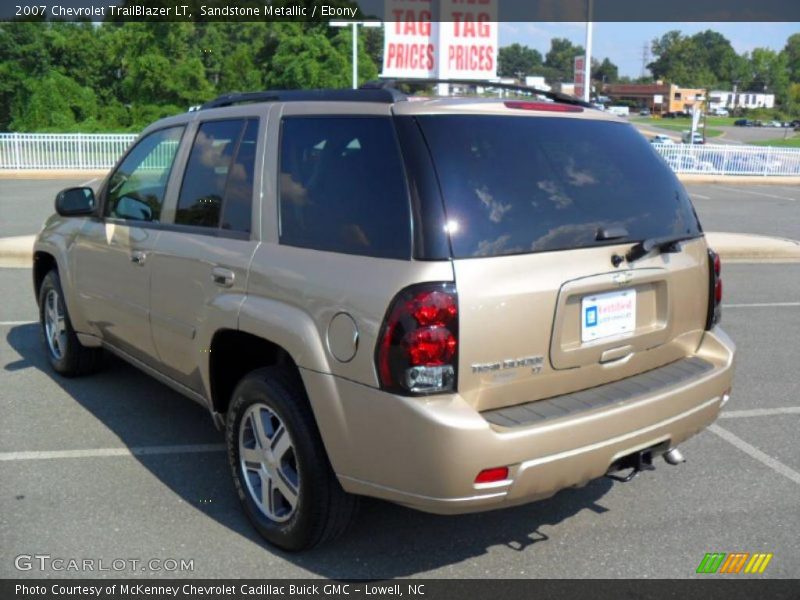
column 138, row 257
column 222, row 277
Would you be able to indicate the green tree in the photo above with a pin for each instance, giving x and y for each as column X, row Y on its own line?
column 680, row 61
column 518, row 61
column 560, row 59
column 769, row 73
column 343, row 42
column 606, row 71
column 706, row 59
column 792, row 53
column 54, row 102
column 716, row 53
column 306, row 60
column 373, row 44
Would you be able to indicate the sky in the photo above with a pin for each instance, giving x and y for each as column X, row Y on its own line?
column 623, row 42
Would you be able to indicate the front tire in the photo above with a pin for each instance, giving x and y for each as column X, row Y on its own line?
column 65, row 353
column 280, row 468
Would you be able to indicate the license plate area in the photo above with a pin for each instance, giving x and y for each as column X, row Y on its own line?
column 653, row 325
column 608, row 314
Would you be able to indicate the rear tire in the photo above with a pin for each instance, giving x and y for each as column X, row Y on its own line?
column 65, row 353
column 280, row 468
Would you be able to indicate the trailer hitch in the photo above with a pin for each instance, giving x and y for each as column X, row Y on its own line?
column 636, row 462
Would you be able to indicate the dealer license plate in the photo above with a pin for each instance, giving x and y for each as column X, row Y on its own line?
column 606, row 315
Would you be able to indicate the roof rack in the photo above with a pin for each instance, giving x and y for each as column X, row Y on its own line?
column 380, row 90
column 390, row 84
column 382, row 95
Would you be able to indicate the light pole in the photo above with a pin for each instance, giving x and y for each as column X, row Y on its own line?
column 587, row 60
column 354, row 25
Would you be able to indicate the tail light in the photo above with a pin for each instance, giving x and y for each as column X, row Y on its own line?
column 417, row 349
column 714, row 289
column 546, row 106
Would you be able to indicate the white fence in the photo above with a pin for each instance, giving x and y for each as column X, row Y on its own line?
column 719, row 159
column 102, row 150
column 62, row 150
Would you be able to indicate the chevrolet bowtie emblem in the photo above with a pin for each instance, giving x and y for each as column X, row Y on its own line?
column 623, row 278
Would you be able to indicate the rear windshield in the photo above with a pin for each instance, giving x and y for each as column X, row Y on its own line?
column 514, row 185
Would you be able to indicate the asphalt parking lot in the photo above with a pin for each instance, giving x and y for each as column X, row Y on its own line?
column 730, row 133
column 761, row 209
column 117, row 466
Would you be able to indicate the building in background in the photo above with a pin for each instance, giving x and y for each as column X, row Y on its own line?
column 718, row 99
column 567, row 87
column 538, row 82
column 658, row 97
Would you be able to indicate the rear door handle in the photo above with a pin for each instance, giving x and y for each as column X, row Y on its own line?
column 222, row 277
column 138, row 257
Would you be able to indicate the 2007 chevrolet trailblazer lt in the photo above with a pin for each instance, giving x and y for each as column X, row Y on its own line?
column 454, row 304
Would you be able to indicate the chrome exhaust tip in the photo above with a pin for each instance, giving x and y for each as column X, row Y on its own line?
column 673, row 456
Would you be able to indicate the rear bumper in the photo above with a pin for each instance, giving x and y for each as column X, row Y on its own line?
column 426, row 452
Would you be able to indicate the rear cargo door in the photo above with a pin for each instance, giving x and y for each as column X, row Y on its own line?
column 537, row 208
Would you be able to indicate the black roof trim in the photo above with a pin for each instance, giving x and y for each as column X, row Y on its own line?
column 381, row 95
column 390, row 84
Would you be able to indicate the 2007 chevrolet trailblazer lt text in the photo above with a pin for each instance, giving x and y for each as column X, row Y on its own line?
column 455, row 304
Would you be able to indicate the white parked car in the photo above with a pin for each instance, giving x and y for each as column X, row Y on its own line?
column 661, row 139
column 689, row 138
column 689, row 164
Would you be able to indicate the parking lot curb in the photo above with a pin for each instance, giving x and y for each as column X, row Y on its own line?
column 739, row 179
column 17, row 252
column 51, row 173
column 749, row 247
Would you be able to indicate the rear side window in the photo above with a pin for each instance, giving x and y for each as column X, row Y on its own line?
column 342, row 187
column 513, row 185
column 218, row 181
column 237, row 207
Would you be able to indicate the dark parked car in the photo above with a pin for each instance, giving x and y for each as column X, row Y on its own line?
column 743, row 123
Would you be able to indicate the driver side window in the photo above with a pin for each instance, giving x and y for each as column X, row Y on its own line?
column 136, row 189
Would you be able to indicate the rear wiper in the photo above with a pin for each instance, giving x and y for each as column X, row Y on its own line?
column 610, row 233
column 645, row 247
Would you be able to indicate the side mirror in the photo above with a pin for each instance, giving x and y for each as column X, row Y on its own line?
column 76, row 201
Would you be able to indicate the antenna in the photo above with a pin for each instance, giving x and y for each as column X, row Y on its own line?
column 645, row 58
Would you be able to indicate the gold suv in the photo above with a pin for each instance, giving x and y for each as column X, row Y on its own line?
column 453, row 304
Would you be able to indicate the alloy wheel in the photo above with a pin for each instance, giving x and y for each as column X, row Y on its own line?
column 269, row 463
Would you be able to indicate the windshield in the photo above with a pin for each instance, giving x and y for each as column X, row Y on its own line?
column 514, row 185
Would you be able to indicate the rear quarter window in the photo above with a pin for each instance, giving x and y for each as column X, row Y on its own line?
column 514, row 185
column 342, row 187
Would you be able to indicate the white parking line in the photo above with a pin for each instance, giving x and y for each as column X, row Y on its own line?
column 14, row 323
column 761, row 305
column 701, row 196
column 86, row 183
column 106, row 452
column 757, row 454
column 760, row 412
column 758, row 193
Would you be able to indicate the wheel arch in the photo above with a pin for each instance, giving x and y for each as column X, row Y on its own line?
column 234, row 353
column 43, row 263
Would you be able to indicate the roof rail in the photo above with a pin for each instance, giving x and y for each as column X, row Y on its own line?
column 383, row 84
column 382, row 95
